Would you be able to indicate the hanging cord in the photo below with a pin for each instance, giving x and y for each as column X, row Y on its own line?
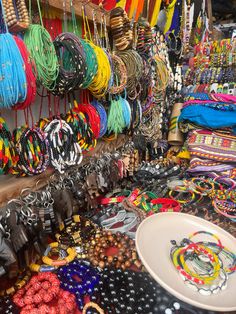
column 41, row 48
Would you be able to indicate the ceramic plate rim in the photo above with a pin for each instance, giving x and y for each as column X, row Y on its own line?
column 166, row 286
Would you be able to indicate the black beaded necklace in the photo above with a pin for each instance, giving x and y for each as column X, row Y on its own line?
column 73, row 68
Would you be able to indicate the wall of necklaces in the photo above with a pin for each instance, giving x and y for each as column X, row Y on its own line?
column 145, row 85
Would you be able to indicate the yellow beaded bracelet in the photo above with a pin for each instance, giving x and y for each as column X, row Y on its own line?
column 71, row 256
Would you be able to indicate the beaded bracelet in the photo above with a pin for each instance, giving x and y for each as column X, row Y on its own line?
column 81, row 129
column 32, row 147
column 198, row 182
column 61, row 262
column 91, row 62
column 126, row 256
column 180, row 264
column 88, row 275
column 14, row 88
column 120, row 75
column 181, row 190
column 63, row 148
column 100, row 83
column 44, row 56
column 8, row 151
column 103, row 117
column 93, row 118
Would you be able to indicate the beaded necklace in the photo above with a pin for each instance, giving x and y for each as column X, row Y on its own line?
column 7, row 149
column 31, row 73
column 12, row 74
column 71, row 56
column 41, row 48
column 64, row 150
column 32, row 148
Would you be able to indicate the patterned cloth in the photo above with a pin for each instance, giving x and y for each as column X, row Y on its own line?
column 212, row 146
column 208, row 117
column 211, row 97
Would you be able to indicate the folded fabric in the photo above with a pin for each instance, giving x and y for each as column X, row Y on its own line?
column 206, row 165
column 212, row 146
column 212, row 104
column 209, row 117
column 212, row 97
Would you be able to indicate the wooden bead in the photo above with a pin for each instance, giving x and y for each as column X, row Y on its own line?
column 127, row 264
column 110, row 259
column 101, row 264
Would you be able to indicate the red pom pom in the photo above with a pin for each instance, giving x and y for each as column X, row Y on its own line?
column 46, row 285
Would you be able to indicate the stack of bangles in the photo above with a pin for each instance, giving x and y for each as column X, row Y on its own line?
column 64, row 258
column 204, row 266
column 197, row 188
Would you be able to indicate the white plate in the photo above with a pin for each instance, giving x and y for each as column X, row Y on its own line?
column 153, row 245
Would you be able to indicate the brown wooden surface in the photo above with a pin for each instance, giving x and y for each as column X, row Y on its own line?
column 11, row 186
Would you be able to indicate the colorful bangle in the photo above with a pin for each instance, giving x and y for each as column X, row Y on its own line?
column 71, row 256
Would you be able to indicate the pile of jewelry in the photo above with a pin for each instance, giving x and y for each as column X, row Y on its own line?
column 204, row 266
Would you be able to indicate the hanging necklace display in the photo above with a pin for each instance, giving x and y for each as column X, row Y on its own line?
column 121, row 29
column 64, row 149
column 134, row 67
column 100, row 82
column 103, row 117
column 81, row 128
column 90, row 113
column 187, row 24
column 32, row 148
column 31, row 74
column 71, row 57
column 12, row 74
column 41, row 48
column 7, row 149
